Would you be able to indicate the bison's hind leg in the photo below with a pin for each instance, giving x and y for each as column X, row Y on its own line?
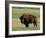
column 35, row 24
column 26, row 25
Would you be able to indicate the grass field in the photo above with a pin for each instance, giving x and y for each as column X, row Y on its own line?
column 17, row 12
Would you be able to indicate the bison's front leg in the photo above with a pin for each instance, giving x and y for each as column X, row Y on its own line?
column 26, row 25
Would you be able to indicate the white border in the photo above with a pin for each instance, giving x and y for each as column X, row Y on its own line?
column 25, row 32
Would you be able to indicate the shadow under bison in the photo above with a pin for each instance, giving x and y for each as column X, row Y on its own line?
column 27, row 19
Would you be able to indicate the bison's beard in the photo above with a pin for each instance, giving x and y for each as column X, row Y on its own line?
column 22, row 21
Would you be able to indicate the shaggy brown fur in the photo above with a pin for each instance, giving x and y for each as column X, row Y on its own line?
column 27, row 19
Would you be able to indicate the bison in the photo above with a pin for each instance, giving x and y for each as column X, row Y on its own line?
column 27, row 19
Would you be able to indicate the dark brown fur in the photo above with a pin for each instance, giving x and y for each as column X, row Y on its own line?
column 27, row 19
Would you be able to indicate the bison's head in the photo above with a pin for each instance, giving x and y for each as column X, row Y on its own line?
column 22, row 20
